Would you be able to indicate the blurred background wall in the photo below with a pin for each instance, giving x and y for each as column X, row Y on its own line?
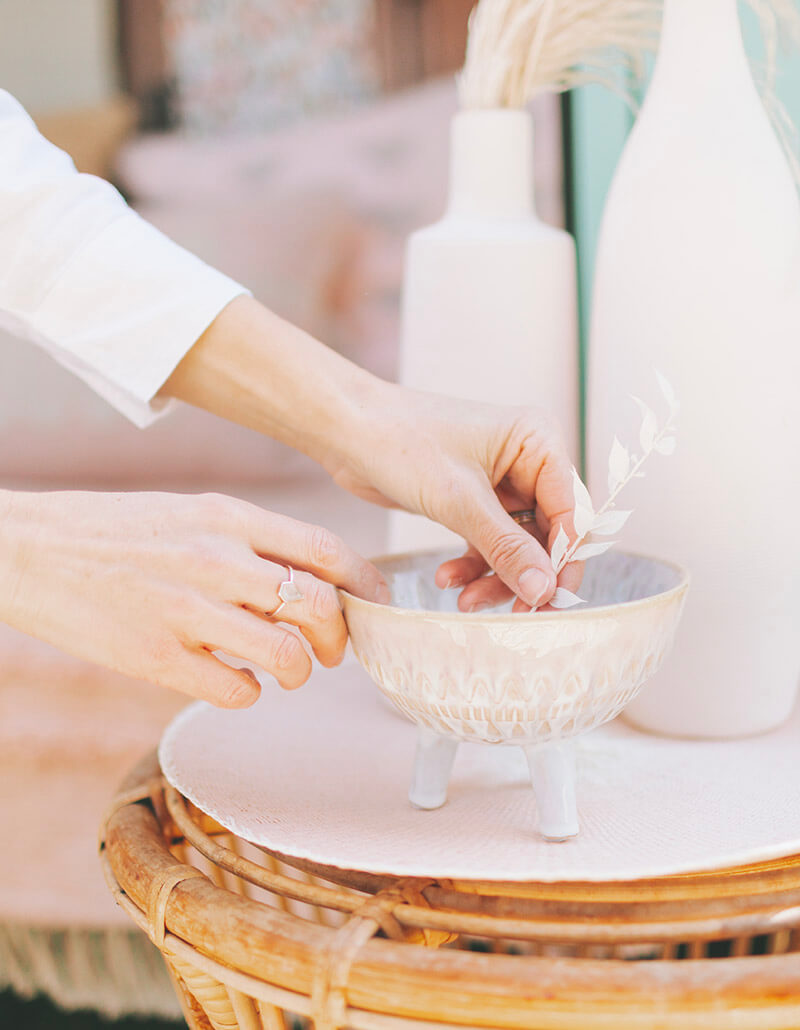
column 80, row 71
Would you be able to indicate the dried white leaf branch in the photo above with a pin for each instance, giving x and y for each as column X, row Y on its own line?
column 623, row 466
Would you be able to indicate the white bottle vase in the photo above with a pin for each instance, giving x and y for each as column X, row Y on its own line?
column 489, row 303
column 698, row 275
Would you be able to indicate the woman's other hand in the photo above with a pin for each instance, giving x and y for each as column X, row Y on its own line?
column 151, row 584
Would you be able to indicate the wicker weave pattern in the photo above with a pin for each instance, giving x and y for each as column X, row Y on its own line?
column 255, row 943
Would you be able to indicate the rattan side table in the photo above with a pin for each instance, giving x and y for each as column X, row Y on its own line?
column 256, row 943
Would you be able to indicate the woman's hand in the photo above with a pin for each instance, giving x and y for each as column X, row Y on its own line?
column 461, row 463
column 467, row 465
column 152, row 584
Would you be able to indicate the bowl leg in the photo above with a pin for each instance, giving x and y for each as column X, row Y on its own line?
column 432, row 765
column 552, row 769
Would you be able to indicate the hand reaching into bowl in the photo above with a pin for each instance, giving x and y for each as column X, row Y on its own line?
column 464, row 464
column 467, row 466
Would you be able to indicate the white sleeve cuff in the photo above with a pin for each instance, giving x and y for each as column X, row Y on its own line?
column 83, row 276
column 126, row 308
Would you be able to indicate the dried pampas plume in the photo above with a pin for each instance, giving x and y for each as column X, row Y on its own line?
column 518, row 48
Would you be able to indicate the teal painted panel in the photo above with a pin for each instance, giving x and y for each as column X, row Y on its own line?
column 787, row 79
column 599, row 125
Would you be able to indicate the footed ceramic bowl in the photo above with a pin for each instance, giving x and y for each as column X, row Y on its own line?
column 533, row 679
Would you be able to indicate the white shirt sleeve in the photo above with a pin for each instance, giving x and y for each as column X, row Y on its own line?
column 108, row 295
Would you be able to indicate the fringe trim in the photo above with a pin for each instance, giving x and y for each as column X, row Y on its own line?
column 115, row 972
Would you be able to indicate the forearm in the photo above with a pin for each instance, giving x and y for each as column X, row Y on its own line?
column 254, row 368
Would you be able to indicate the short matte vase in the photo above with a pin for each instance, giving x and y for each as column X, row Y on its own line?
column 489, row 304
column 698, row 275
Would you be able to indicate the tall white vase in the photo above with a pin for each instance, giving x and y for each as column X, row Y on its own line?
column 489, row 303
column 698, row 275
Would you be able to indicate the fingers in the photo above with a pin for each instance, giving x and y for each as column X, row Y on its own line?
column 498, row 543
column 319, row 618
column 190, row 667
column 486, row 592
column 199, row 674
column 489, row 591
column 480, row 591
column 517, row 557
column 242, row 634
column 555, row 501
column 571, row 575
column 483, row 591
column 459, row 571
column 316, row 550
column 316, row 614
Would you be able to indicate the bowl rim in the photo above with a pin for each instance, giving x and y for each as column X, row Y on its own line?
column 602, row 610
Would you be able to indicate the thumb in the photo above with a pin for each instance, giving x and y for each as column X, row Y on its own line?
column 517, row 557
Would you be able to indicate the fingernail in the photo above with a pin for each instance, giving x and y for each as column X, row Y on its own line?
column 454, row 581
column 479, row 606
column 383, row 594
column 533, row 587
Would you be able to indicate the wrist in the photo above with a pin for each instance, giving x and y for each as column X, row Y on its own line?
column 357, row 423
column 254, row 368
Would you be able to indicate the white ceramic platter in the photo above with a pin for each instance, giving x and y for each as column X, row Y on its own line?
column 322, row 773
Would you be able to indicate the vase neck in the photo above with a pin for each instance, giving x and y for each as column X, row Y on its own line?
column 701, row 38
column 491, row 164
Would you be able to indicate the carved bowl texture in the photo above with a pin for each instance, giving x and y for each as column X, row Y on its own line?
column 525, row 678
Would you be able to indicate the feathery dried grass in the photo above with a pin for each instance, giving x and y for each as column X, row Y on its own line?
column 518, row 48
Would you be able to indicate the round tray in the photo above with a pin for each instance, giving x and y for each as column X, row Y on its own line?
column 321, row 775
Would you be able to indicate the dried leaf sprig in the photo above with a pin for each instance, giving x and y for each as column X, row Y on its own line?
column 623, row 466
